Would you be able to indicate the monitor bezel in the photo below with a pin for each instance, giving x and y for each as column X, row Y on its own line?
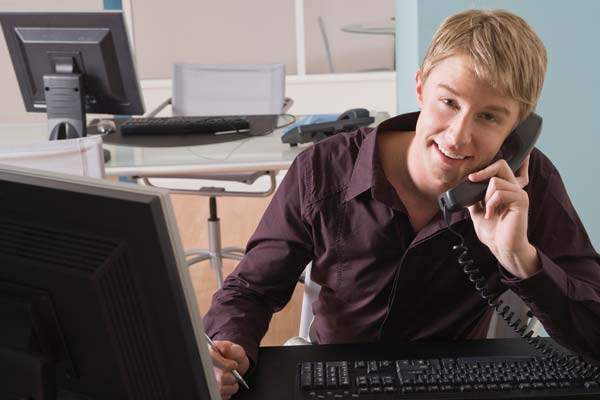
column 159, row 199
column 113, row 20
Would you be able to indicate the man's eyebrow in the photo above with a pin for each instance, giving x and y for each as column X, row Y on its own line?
column 494, row 107
column 498, row 109
column 449, row 88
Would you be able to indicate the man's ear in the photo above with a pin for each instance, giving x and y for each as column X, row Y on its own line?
column 419, row 88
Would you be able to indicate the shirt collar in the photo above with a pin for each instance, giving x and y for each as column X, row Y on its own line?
column 368, row 172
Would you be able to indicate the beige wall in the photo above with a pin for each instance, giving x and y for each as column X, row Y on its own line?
column 241, row 31
column 350, row 52
column 226, row 31
column 229, row 31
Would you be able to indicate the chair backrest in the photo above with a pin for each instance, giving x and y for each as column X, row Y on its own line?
column 201, row 89
column 82, row 156
column 500, row 329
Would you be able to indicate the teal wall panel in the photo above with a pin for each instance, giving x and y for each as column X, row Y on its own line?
column 112, row 4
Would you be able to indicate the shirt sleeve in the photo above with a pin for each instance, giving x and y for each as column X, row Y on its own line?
column 264, row 280
column 565, row 293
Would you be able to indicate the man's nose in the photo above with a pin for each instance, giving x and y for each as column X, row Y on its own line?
column 460, row 132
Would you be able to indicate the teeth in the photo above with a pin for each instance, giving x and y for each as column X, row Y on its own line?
column 450, row 155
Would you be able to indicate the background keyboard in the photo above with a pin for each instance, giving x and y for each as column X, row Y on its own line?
column 178, row 125
column 471, row 377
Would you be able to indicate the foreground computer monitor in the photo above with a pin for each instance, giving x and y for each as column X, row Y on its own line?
column 95, row 297
column 70, row 64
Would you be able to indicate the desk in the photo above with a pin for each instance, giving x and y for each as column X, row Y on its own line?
column 275, row 374
column 258, row 153
column 372, row 28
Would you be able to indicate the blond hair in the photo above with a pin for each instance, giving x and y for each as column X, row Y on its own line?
column 505, row 52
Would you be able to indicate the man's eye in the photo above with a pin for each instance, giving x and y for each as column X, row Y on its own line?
column 488, row 117
column 450, row 103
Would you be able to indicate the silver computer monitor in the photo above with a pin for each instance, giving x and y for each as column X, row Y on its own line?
column 96, row 300
column 71, row 63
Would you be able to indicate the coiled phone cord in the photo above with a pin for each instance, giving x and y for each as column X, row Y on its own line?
column 571, row 363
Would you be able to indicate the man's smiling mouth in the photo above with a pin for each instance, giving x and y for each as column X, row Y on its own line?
column 449, row 154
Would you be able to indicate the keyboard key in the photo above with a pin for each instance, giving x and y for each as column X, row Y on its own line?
column 372, row 367
column 408, row 389
column 446, row 388
column 524, row 386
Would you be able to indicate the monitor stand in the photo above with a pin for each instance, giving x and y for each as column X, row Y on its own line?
column 65, row 105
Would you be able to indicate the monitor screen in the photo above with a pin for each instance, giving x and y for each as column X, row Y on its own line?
column 96, row 300
column 69, row 64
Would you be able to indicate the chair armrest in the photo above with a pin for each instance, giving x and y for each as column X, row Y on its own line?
column 159, row 108
column 217, row 191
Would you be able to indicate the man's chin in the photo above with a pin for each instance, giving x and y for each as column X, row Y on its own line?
column 447, row 184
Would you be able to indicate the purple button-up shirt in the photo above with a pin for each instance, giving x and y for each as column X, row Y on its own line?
column 381, row 280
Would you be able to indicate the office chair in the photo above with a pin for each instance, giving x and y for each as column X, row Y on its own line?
column 81, row 156
column 498, row 328
column 224, row 90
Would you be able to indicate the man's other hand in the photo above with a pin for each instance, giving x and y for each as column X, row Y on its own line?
column 234, row 358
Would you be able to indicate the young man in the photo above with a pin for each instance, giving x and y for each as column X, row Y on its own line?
column 363, row 208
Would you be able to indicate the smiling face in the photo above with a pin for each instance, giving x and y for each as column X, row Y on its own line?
column 462, row 125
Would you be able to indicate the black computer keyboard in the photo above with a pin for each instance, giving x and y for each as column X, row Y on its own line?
column 447, row 378
column 177, row 125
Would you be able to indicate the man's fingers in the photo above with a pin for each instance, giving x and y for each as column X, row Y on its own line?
column 228, row 390
column 221, row 362
column 228, row 385
column 522, row 174
column 227, row 378
column 497, row 184
column 499, row 169
column 224, row 361
column 238, row 354
column 500, row 200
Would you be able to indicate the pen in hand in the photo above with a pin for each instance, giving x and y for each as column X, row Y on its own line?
column 236, row 374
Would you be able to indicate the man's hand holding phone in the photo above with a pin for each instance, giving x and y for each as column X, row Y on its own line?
column 233, row 356
column 501, row 220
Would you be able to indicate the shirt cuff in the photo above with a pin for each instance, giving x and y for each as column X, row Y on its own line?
column 541, row 287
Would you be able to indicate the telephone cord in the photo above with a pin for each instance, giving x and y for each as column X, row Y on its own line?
column 492, row 298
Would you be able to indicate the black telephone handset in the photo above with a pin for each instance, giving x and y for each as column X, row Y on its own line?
column 519, row 145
